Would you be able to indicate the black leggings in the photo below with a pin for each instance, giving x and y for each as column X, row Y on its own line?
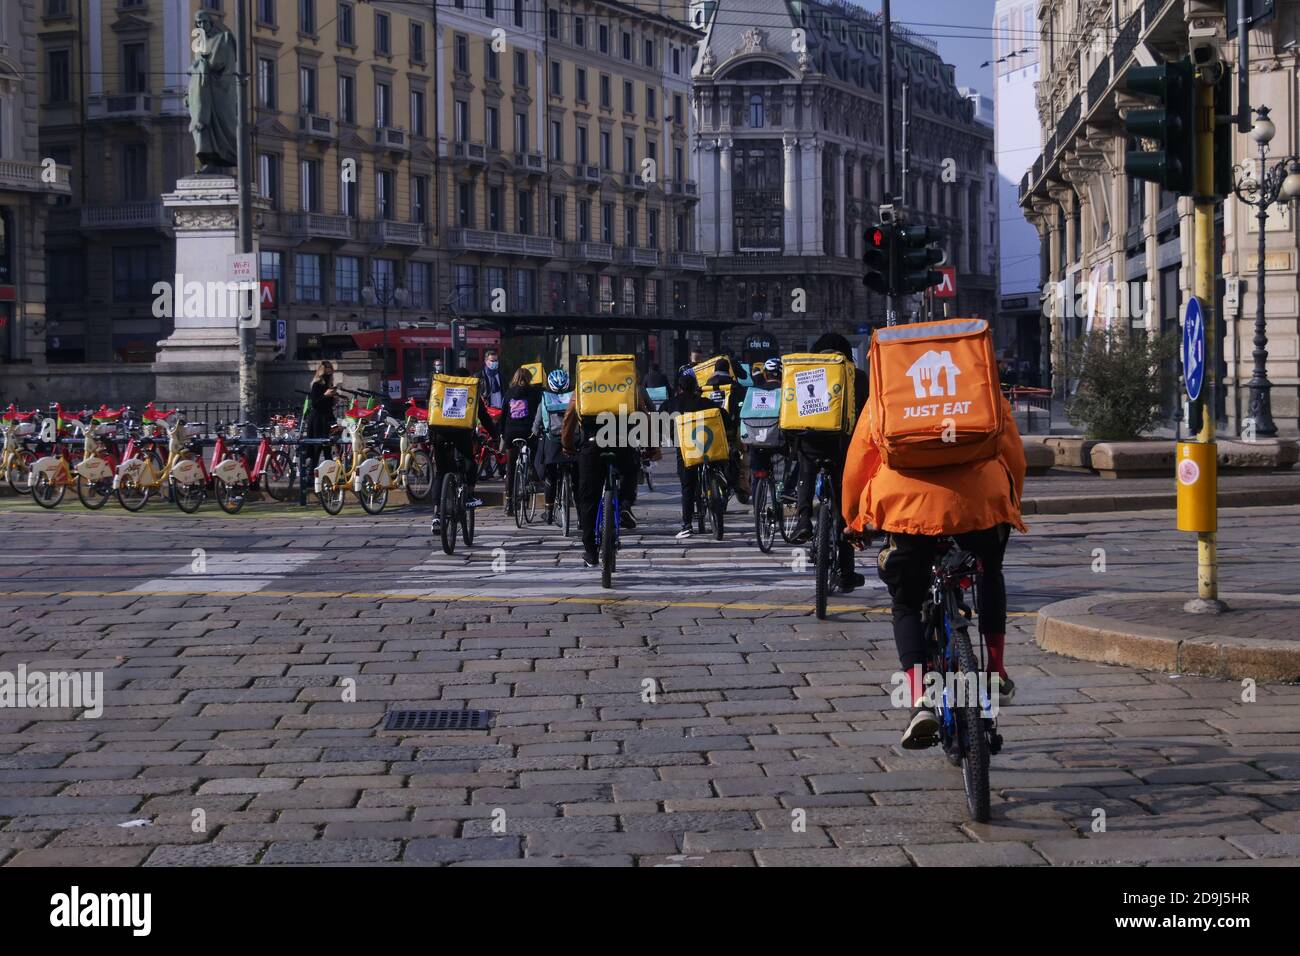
column 591, row 485
column 905, row 563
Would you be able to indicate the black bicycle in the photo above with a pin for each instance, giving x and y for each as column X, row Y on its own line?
column 453, row 513
column 564, row 500
column 607, row 520
column 826, row 536
column 968, row 728
column 711, row 499
column 523, row 486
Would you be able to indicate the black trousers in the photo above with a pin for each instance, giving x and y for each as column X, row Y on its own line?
column 761, row 459
column 445, row 442
column 689, row 476
column 810, row 453
column 905, row 563
column 591, row 484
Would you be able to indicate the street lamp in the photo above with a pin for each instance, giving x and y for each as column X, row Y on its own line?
column 1262, row 188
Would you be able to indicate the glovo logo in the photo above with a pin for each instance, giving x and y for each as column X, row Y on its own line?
column 707, row 443
column 600, row 387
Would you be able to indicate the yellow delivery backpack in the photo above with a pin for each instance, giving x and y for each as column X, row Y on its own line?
column 705, row 370
column 719, row 395
column 817, row 392
column 537, row 371
column 701, row 437
column 453, row 401
column 935, row 397
column 606, row 383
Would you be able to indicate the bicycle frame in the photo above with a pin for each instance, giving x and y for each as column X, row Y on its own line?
column 179, row 466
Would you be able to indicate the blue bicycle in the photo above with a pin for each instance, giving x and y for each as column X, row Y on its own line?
column 968, row 732
column 607, row 520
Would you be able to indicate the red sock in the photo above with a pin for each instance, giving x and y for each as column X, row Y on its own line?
column 916, row 683
column 995, row 644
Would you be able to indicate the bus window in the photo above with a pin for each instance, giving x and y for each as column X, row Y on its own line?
column 390, row 362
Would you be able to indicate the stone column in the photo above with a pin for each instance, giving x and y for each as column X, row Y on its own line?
column 838, row 246
column 727, row 244
column 791, row 203
column 811, row 218
column 707, row 170
column 962, row 258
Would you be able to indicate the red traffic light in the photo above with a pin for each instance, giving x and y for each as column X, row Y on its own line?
column 877, row 238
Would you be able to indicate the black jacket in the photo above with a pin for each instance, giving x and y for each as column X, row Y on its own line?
column 519, row 410
column 492, row 381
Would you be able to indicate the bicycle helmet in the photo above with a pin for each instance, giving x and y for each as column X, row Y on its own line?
column 772, row 366
column 558, row 380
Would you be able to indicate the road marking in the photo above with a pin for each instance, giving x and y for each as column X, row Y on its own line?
column 237, row 573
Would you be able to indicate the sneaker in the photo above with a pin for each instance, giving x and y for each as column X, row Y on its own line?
column 510, row 511
column 803, row 531
column 626, row 519
column 548, row 516
column 685, row 532
column 851, row 582
column 590, row 559
column 475, row 502
column 1006, row 689
column 435, row 526
column 922, row 730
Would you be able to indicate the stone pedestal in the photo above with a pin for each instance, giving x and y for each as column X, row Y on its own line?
column 199, row 361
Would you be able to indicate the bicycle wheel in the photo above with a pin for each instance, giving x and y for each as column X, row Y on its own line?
column 566, row 500
column 20, row 472
column 94, row 494
column 766, row 519
column 279, row 474
column 419, row 478
column 188, row 497
column 823, row 558
column 373, row 498
column 649, row 482
column 449, row 511
column 466, row 522
column 717, row 506
column 331, row 496
column 131, row 495
column 530, row 499
column 608, row 542
column 519, row 490
column 48, row 493
column 230, row 495
column 789, row 518
column 972, row 741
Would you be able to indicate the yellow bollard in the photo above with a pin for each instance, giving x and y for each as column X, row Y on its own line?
column 1196, row 468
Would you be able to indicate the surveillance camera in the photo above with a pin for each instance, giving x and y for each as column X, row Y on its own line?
column 1204, row 42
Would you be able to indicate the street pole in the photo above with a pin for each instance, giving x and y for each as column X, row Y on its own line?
column 243, row 160
column 887, row 78
column 1261, row 405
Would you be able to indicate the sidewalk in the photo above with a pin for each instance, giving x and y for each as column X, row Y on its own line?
column 1058, row 493
column 1256, row 638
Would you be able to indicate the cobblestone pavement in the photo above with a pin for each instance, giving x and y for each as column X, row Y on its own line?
column 248, row 663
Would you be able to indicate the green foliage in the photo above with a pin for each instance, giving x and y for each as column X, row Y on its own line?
column 1122, row 378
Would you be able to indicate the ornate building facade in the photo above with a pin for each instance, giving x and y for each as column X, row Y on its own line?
column 789, row 153
column 1130, row 239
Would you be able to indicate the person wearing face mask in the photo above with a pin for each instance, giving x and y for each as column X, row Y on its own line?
column 437, row 366
column 321, row 416
column 491, row 383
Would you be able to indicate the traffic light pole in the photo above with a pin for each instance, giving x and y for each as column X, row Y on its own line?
column 887, row 78
column 1207, row 561
column 248, row 384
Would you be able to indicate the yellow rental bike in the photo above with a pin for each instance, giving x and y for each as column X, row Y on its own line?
column 181, row 475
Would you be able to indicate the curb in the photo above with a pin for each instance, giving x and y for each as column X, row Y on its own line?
column 1079, row 504
column 1071, row 629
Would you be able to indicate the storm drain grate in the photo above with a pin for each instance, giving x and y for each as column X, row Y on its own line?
column 438, row 720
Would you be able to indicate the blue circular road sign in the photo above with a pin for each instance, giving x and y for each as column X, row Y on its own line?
column 1194, row 347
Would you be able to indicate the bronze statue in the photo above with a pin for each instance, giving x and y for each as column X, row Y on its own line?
column 212, row 95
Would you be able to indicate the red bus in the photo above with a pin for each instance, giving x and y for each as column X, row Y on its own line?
column 408, row 358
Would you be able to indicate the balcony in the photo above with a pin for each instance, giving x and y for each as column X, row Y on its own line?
column 1098, row 82
column 682, row 187
column 1127, row 41
column 144, row 214
column 687, row 260
column 593, row 251
column 1068, row 122
column 541, row 246
column 389, row 232
column 315, row 225
column 317, row 126
column 501, row 243
column 392, row 139
column 531, row 162
column 634, row 181
column 636, row 256
column 119, row 107
column 472, row 154
column 588, row 173
column 27, row 177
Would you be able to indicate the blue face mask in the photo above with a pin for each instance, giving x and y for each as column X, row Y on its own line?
column 492, row 366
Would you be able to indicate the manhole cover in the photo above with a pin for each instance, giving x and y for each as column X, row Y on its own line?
column 438, row 720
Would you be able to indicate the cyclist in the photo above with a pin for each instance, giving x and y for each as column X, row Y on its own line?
column 522, row 400
column 768, row 376
column 578, row 438
column 444, row 443
column 687, row 398
column 737, row 471
column 809, row 449
column 977, row 503
column 547, row 426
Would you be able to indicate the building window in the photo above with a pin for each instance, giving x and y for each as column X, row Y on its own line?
column 606, row 294
column 462, row 121
column 628, row 105
column 419, row 284
column 347, row 280
column 135, row 68
column 680, row 228
column 268, row 178
column 606, row 151
column 756, row 111
column 521, row 69
column 466, row 290
column 59, row 83
column 557, row 141
column 307, row 17
column 602, row 38
column 65, row 276
column 557, row 217
column 493, row 61
column 494, row 278
column 629, row 227
column 677, row 109
column 607, row 223
column 383, row 105
column 557, row 79
column 651, row 297
column 606, row 98
column 420, row 199
column 629, row 154
column 584, row 220
column 465, row 205
column 521, row 132
column 347, row 25
column 519, row 13
column 265, row 12
column 347, row 99
column 349, row 195
column 629, row 297
column 524, row 210
column 306, row 277
column 309, row 185
column 757, row 189
column 135, row 171
column 307, row 89
column 580, row 84
column 135, row 270
column 383, row 36
column 494, row 208
column 266, row 81
column 461, row 52
column 652, row 228
column 677, row 61
column 581, row 143
column 650, row 53
column 489, row 9
column 417, row 112
column 651, row 104
column 579, row 31
column 553, row 23
column 417, row 42
column 679, row 165
column 524, row 288
column 627, row 45
column 493, row 128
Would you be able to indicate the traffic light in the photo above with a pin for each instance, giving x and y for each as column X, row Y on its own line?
column 879, row 258
column 915, row 258
column 1172, row 125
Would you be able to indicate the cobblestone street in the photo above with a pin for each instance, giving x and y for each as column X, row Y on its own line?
column 248, row 664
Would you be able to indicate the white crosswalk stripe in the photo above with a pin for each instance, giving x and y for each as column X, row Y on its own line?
column 236, row 572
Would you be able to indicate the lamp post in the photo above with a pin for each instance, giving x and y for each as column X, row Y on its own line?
column 381, row 294
column 1261, row 188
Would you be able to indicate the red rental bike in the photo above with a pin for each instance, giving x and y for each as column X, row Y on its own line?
column 233, row 476
column 16, row 459
column 490, row 460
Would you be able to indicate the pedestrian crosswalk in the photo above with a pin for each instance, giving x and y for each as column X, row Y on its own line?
column 235, row 572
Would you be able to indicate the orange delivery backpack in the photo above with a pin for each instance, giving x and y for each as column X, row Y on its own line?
column 935, row 395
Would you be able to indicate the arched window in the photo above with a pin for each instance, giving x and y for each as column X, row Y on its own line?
column 756, row 110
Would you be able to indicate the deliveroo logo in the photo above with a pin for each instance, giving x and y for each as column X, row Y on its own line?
column 705, row 445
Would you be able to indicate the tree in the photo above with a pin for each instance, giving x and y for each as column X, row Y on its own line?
column 1122, row 377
